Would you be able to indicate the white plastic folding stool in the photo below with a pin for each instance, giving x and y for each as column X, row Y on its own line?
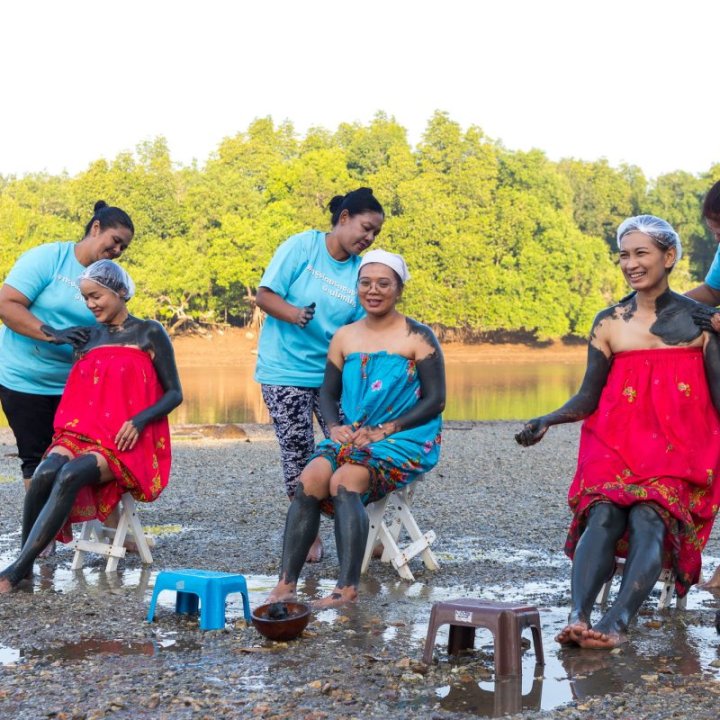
column 667, row 592
column 397, row 503
column 95, row 537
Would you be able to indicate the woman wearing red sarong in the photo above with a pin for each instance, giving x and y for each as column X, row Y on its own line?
column 111, row 429
column 646, row 483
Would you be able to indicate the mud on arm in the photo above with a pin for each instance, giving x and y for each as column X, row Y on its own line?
column 431, row 374
column 712, row 367
column 158, row 342
column 584, row 402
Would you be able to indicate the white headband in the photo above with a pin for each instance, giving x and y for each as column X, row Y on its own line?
column 392, row 260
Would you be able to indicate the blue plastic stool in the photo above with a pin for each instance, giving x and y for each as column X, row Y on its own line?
column 206, row 588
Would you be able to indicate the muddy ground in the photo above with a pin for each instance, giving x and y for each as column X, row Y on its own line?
column 78, row 645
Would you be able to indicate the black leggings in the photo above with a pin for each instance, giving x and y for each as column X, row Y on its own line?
column 31, row 419
column 48, row 502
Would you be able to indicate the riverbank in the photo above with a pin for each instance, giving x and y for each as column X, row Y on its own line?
column 237, row 347
column 79, row 646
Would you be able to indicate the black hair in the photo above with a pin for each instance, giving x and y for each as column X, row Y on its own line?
column 109, row 217
column 711, row 204
column 355, row 202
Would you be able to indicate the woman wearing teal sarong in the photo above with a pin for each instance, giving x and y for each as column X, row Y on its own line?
column 387, row 372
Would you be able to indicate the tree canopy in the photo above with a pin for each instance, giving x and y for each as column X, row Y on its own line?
column 497, row 241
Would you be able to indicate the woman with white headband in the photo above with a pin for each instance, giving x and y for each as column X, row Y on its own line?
column 646, row 486
column 111, row 429
column 386, row 371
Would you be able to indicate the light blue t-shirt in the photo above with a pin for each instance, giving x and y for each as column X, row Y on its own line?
column 713, row 277
column 301, row 272
column 47, row 276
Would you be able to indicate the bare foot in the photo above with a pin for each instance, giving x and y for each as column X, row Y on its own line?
column 596, row 640
column 5, row 586
column 338, row 598
column 283, row 592
column 714, row 582
column 572, row 633
column 316, row 553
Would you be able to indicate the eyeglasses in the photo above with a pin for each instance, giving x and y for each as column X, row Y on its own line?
column 383, row 285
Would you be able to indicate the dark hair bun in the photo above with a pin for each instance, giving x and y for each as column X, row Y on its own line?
column 99, row 205
column 335, row 203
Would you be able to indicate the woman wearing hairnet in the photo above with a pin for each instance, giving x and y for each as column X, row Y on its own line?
column 111, row 429
column 646, row 486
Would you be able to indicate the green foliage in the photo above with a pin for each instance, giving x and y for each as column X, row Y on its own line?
column 496, row 240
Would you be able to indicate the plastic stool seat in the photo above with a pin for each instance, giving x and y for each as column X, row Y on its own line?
column 205, row 590
column 506, row 621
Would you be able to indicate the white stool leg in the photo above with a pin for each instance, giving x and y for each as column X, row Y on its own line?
column 130, row 509
column 375, row 512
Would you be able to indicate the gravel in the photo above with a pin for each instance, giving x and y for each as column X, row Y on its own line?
column 78, row 646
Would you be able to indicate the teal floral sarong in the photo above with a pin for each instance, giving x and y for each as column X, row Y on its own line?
column 378, row 387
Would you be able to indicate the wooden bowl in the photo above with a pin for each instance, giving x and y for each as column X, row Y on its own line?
column 287, row 628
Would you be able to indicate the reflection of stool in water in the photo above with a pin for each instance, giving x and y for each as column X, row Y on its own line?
column 386, row 534
column 505, row 698
column 667, row 590
column 204, row 588
column 506, row 621
column 129, row 527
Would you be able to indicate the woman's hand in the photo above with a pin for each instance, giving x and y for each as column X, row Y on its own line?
column 706, row 318
column 75, row 336
column 533, row 432
column 369, row 434
column 305, row 315
column 127, row 436
column 342, row 434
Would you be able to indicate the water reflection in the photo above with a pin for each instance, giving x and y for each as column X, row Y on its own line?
column 476, row 391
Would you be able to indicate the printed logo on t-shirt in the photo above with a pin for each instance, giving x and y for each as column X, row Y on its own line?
column 72, row 283
column 333, row 288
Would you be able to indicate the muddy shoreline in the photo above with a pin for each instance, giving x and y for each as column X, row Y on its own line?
column 78, row 646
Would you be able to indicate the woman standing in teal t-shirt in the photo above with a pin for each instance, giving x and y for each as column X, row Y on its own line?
column 309, row 291
column 39, row 301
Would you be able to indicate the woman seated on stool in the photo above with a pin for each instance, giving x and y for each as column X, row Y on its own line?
column 111, row 428
column 646, row 486
column 387, row 373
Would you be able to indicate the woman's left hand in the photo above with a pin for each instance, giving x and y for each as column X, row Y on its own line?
column 127, row 436
column 707, row 318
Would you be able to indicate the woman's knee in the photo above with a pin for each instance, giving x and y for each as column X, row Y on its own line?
column 46, row 472
column 645, row 519
column 607, row 516
column 77, row 473
column 353, row 478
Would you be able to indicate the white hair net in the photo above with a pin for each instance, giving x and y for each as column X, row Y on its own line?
column 110, row 276
column 661, row 231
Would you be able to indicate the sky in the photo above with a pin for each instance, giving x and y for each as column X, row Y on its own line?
column 632, row 81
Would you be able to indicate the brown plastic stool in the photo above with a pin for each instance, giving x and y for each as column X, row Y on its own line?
column 506, row 621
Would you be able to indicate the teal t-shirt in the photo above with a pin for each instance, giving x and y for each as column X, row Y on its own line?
column 47, row 276
column 713, row 277
column 301, row 272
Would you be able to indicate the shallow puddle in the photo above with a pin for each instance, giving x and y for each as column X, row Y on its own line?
column 667, row 642
column 88, row 649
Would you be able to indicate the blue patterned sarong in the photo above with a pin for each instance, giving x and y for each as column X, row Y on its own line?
column 376, row 388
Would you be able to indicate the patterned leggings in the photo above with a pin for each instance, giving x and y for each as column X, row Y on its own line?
column 291, row 409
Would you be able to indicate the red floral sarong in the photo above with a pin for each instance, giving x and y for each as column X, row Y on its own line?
column 654, row 438
column 106, row 387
